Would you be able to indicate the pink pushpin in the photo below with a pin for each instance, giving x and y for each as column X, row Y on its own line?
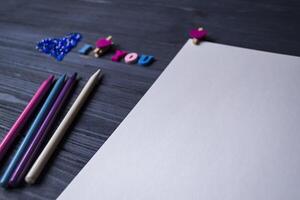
column 102, row 45
column 197, row 34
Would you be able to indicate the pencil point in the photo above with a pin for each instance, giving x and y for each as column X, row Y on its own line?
column 74, row 75
column 97, row 73
column 63, row 76
column 50, row 78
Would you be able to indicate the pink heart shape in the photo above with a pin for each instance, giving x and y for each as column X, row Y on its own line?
column 103, row 43
column 198, row 34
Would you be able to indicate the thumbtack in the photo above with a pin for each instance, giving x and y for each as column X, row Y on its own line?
column 85, row 49
column 197, row 35
column 102, row 45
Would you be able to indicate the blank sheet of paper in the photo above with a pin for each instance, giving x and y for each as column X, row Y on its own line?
column 221, row 122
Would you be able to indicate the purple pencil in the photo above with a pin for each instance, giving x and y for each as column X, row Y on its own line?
column 24, row 116
column 33, row 148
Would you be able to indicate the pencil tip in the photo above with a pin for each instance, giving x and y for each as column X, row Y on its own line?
column 50, row 78
column 62, row 78
column 97, row 74
column 74, row 75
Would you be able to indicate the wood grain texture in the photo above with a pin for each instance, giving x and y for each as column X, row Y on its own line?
column 152, row 27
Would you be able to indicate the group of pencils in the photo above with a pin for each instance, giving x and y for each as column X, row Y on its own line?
column 26, row 164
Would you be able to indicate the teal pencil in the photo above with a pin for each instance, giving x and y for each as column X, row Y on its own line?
column 32, row 131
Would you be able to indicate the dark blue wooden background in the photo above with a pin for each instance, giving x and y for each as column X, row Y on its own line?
column 152, row 27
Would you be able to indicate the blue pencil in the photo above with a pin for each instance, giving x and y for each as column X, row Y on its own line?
column 32, row 131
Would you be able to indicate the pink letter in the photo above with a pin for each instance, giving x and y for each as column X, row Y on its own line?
column 118, row 55
column 131, row 58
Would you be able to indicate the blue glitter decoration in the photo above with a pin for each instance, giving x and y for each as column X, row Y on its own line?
column 59, row 47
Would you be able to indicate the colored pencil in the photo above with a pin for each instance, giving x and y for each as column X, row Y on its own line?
column 34, row 146
column 57, row 136
column 32, row 131
column 11, row 135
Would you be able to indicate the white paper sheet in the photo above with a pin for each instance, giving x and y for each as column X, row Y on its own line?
column 221, row 122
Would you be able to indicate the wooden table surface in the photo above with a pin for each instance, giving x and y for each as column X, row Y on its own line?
column 153, row 27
